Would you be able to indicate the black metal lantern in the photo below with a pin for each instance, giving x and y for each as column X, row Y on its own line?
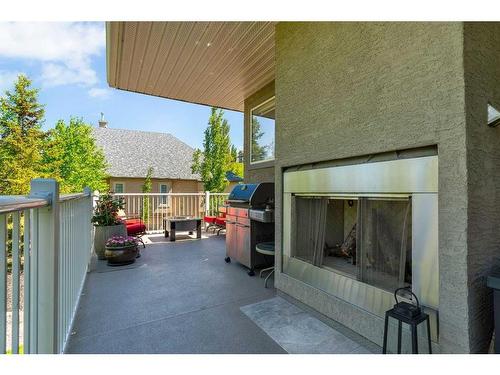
column 410, row 314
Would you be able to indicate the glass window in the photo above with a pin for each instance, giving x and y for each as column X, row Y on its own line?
column 493, row 116
column 163, row 190
column 119, row 188
column 262, row 132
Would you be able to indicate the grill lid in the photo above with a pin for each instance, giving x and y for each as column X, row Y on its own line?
column 242, row 193
column 252, row 194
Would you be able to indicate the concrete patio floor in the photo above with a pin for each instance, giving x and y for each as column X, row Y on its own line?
column 178, row 298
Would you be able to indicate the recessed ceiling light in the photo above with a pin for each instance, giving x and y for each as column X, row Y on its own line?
column 493, row 116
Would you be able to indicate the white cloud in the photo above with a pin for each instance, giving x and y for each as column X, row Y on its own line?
column 101, row 93
column 7, row 80
column 63, row 49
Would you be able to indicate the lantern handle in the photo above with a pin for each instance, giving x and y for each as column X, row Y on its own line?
column 407, row 288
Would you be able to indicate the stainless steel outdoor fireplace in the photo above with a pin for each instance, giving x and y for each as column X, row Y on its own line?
column 361, row 231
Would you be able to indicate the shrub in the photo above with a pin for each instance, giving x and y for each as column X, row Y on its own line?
column 106, row 210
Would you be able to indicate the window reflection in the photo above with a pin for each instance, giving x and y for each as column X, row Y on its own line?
column 262, row 132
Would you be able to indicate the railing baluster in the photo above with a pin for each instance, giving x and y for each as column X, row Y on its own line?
column 154, row 213
column 16, row 226
column 150, row 211
column 159, row 221
column 27, row 281
column 157, row 218
column 75, row 230
column 3, row 283
column 34, row 283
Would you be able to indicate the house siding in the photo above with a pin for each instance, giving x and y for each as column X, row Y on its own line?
column 134, row 185
column 346, row 90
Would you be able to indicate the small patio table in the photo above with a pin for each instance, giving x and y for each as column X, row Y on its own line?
column 172, row 225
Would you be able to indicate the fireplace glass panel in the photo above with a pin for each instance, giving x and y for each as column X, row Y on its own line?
column 368, row 239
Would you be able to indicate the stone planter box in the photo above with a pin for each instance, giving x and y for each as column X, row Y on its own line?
column 103, row 233
column 120, row 256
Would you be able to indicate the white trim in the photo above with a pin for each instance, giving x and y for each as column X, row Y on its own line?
column 255, row 163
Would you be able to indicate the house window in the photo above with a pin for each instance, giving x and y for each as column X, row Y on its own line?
column 119, row 188
column 164, row 189
column 493, row 116
column 262, row 132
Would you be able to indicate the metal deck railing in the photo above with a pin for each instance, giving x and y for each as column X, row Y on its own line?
column 45, row 245
column 152, row 208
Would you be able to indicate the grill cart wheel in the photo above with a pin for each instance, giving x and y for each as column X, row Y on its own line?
column 251, row 273
column 227, row 260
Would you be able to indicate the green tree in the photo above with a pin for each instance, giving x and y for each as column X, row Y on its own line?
column 73, row 158
column 214, row 161
column 258, row 152
column 21, row 137
column 146, row 188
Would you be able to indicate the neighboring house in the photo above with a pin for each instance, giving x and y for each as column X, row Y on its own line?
column 130, row 153
column 366, row 113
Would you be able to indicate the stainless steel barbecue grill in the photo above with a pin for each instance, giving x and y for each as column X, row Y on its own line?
column 249, row 221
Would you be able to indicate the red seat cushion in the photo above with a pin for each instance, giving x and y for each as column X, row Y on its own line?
column 133, row 221
column 209, row 219
column 220, row 221
column 135, row 228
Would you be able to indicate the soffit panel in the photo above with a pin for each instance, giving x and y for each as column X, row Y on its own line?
column 211, row 63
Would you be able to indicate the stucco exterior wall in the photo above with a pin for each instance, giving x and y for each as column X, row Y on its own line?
column 262, row 172
column 350, row 89
column 482, row 85
column 134, row 185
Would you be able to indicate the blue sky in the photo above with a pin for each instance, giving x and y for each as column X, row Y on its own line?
column 67, row 62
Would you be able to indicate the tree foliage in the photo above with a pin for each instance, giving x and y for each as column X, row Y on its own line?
column 146, row 188
column 21, row 137
column 73, row 158
column 215, row 160
column 67, row 153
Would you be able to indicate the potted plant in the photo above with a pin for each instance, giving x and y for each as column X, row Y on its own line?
column 121, row 250
column 106, row 222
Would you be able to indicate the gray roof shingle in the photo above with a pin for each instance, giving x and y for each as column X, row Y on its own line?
column 130, row 153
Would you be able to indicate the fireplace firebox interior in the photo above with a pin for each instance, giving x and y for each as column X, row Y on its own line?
column 367, row 239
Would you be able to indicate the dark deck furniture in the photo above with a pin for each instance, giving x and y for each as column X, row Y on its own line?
column 172, row 225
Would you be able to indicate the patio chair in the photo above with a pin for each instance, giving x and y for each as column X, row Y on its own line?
column 135, row 226
column 220, row 223
column 209, row 222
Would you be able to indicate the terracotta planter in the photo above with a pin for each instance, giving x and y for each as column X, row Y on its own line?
column 120, row 256
column 104, row 233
